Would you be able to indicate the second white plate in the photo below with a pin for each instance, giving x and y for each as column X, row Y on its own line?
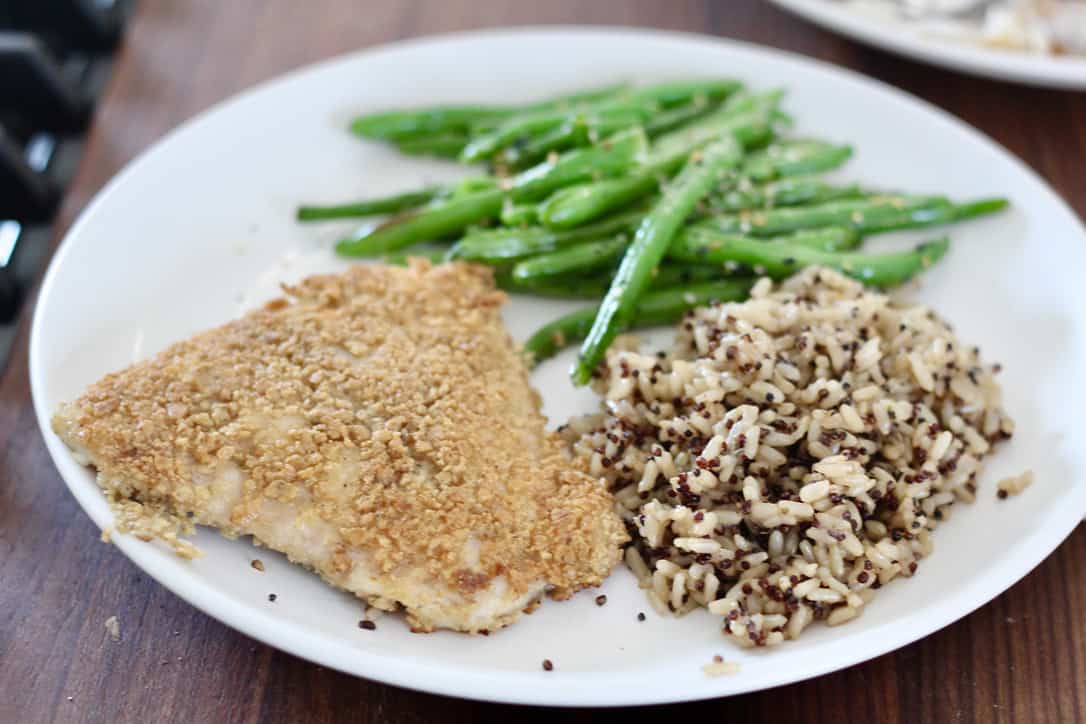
column 907, row 39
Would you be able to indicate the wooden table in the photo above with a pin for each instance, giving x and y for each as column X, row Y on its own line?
column 1020, row 658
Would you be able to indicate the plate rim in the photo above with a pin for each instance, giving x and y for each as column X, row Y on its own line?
column 1068, row 73
column 485, row 684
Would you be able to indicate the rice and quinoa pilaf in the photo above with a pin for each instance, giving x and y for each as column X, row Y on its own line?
column 792, row 453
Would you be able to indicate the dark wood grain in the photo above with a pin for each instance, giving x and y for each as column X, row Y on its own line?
column 1020, row 658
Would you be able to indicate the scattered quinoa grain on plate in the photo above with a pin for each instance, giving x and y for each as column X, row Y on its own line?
column 1014, row 485
column 720, row 667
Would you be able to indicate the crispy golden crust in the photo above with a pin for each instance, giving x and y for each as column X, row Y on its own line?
column 391, row 407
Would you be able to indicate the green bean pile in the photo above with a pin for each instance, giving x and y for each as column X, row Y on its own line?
column 652, row 200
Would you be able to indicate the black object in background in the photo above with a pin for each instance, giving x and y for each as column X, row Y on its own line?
column 95, row 25
column 55, row 58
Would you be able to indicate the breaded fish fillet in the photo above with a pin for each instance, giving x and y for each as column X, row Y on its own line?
column 377, row 426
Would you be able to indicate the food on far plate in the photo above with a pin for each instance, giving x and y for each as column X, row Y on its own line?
column 792, row 453
column 376, row 426
column 1049, row 27
column 649, row 200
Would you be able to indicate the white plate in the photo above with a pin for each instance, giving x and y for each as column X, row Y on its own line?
column 201, row 225
column 908, row 40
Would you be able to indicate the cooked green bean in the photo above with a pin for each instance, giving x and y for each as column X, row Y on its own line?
column 829, row 238
column 591, row 255
column 867, row 216
column 397, row 125
column 576, row 205
column 520, row 129
column 579, row 204
column 399, row 202
column 569, row 287
column 580, row 258
column 663, row 306
column 781, row 259
column 472, row 185
column 980, row 207
column 795, row 157
column 448, row 217
column 447, row 144
column 613, row 156
column 371, row 207
column 509, row 133
column 644, row 101
column 704, row 170
column 457, row 212
column 500, row 246
column 676, row 93
column 703, row 243
column 667, row 121
column 745, row 116
column 783, row 192
column 573, row 100
column 586, row 256
column 580, row 129
column 570, row 134
column 575, row 286
column 519, row 214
